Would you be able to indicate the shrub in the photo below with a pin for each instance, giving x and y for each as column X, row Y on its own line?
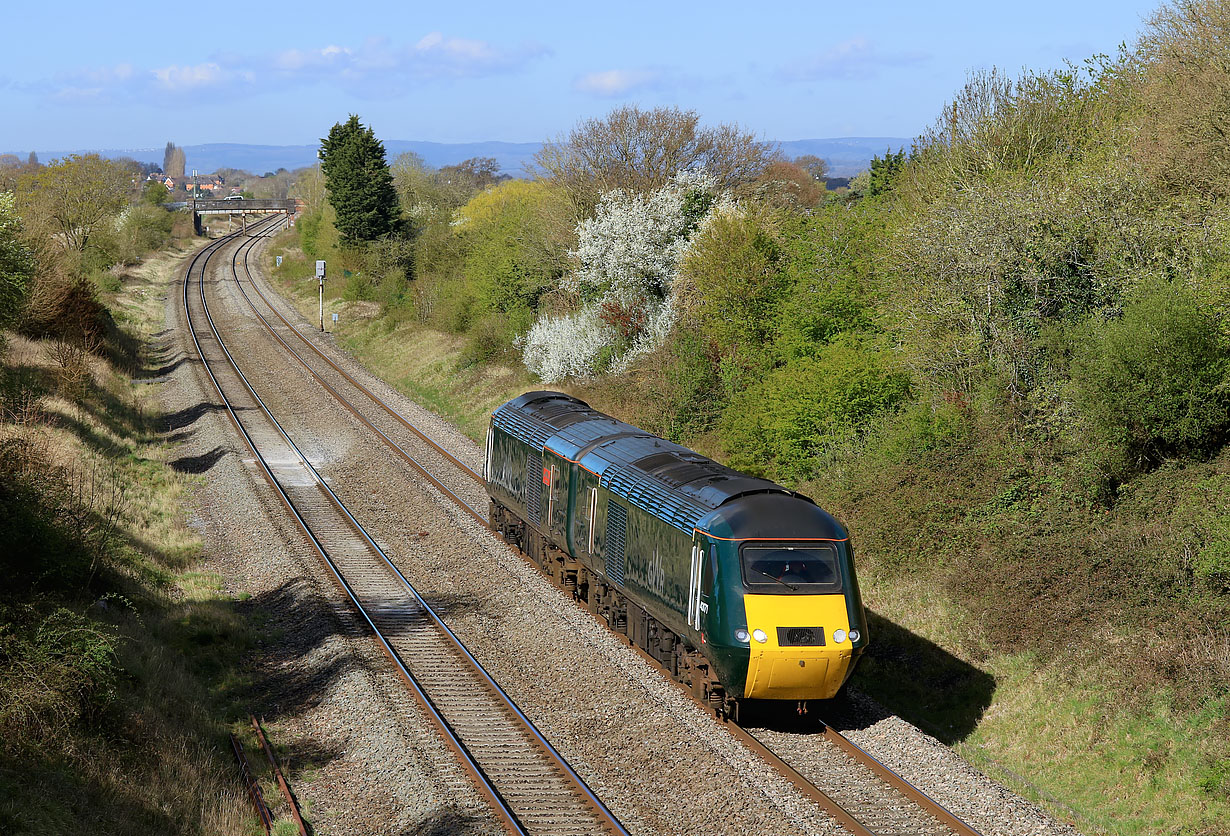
column 732, row 265
column 516, row 235
column 692, row 398
column 68, row 307
column 491, row 335
column 16, row 261
column 566, row 346
column 783, row 424
column 1154, row 382
column 358, row 286
column 57, row 671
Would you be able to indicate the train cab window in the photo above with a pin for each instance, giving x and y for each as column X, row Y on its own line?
column 780, row 570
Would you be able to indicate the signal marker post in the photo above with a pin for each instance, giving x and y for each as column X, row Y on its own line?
column 320, row 274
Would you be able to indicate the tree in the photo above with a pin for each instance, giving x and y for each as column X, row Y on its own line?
column 628, row 261
column 16, row 261
column 641, row 150
column 10, row 171
column 788, row 186
column 476, row 173
column 173, row 160
column 517, row 236
column 359, row 183
column 813, row 165
column 75, row 196
column 32, row 160
column 884, row 170
column 154, row 193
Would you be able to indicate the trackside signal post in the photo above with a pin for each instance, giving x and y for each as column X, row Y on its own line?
column 320, row 274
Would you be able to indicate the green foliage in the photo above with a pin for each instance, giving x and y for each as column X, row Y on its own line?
column 154, row 193
column 733, row 265
column 830, row 269
column 1154, row 382
column 692, row 398
column 74, row 197
column 16, row 261
column 60, row 667
column 140, row 230
column 884, row 171
column 359, row 183
column 514, row 251
column 785, row 424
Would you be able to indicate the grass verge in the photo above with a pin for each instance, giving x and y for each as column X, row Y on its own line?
column 120, row 660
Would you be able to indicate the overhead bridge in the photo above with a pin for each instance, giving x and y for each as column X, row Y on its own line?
column 243, row 207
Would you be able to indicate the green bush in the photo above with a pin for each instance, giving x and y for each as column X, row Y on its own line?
column 733, row 265
column 357, row 286
column 491, row 336
column 1153, row 383
column 784, row 424
column 56, row 668
column 692, row 398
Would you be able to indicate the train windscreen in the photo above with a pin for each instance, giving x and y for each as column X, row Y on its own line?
column 811, row 569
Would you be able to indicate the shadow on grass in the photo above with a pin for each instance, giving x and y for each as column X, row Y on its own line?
column 922, row 682
column 906, row 675
column 41, row 793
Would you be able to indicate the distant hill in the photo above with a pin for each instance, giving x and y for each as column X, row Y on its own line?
column 846, row 156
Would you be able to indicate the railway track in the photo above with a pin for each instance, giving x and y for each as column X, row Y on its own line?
column 861, row 812
column 531, row 788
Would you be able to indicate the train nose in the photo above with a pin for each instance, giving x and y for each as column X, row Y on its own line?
column 788, row 676
column 797, row 653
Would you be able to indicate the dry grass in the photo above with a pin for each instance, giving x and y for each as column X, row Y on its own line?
column 115, row 716
column 422, row 363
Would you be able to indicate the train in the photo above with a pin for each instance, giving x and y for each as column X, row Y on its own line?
column 742, row 590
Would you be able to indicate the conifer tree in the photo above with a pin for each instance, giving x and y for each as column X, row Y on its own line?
column 359, row 183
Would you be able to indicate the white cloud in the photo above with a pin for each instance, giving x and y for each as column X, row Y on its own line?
column 375, row 68
column 853, row 59
column 197, row 77
column 615, row 83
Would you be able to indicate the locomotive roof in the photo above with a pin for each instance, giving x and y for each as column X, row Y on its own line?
column 675, row 483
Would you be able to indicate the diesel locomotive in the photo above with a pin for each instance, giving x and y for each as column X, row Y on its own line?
column 740, row 588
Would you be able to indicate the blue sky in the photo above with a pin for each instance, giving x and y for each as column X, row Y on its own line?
column 134, row 75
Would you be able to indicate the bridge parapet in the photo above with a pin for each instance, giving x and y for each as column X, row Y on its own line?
column 235, row 207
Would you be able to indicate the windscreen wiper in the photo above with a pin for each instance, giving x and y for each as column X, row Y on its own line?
column 777, row 580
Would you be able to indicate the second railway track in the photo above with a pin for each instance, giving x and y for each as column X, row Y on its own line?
column 531, row 788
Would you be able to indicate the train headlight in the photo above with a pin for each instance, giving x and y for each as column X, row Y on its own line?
column 855, row 635
column 742, row 635
column 760, row 635
column 839, row 635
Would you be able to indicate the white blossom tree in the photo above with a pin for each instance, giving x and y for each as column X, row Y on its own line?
column 627, row 258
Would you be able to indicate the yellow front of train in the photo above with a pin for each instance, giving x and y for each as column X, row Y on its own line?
column 805, row 624
column 801, row 646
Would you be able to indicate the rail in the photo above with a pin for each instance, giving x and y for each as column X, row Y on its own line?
column 512, row 820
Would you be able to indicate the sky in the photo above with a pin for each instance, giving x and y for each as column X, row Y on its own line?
column 138, row 74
